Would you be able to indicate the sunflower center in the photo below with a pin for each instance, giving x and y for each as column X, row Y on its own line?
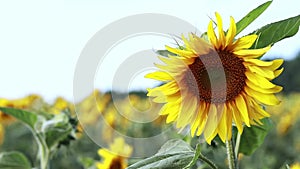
column 116, row 164
column 216, row 77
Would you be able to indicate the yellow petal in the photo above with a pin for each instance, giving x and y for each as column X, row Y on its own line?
column 197, row 119
column 259, row 81
column 236, row 116
column 262, row 72
column 212, row 121
column 259, row 109
column 166, row 89
column 242, row 107
column 170, row 107
column 231, row 32
column 244, row 42
column 275, row 89
column 258, row 62
column 188, row 110
column 211, row 137
column 221, row 31
column 203, row 119
column 211, row 34
column 278, row 72
column 252, row 53
column 276, row 64
column 159, row 75
column 183, row 53
column 228, row 122
column 186, row 42
column 222, row 127
column 268, row 99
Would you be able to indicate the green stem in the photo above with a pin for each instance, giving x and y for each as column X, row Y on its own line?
column 43, row 151
column 237, row 145
column 206, row 160
column 230, row 155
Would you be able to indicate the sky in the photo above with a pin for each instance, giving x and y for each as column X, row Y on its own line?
column 41, row 41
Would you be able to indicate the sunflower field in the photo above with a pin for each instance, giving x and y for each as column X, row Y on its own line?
column 217, row 105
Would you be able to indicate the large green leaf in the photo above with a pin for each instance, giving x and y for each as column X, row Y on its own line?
column 254, row 136
column 175, row 154
column 14, row 160
column 274, row 32
column 251, row 16
column 27, row 117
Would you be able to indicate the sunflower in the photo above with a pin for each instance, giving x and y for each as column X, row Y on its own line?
column 116, row 156
column 210, row 84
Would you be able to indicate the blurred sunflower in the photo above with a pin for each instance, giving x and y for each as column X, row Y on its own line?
column 116, row 156
column 211, row 83
column 295, row 166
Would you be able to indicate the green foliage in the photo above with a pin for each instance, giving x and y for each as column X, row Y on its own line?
column 251, row 16
column 254, row 136
column 28, row 118
column 14, row 160
column 175, row 154
column 275, row 32
column 165, row 53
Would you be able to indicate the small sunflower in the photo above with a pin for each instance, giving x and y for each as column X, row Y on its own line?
column 116, row 156
column 210, row 84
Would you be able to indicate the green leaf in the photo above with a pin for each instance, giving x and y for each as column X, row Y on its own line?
column 57, row 130
column 254, row 136
column 195, row 159
column 251, row 16
column 274, row 32
column 165, row 53
column 175, row 154
column 27, row 117
column 14, row 160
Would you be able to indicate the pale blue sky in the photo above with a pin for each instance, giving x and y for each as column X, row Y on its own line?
column 40, row 41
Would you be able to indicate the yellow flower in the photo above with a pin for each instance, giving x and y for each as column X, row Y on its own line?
column 116, row 156
column 209, row 85
column 295, row 166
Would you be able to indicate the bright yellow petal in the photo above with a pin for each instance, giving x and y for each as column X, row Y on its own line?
column 268, row 99
column 221, row 31
column 244, row 42
column 278, row 72
column 275, row 89
column 211, row 34
column 188, row 110
column 211, row 137
column 195, row 124
column 166, row 89
column 276, row 64
column 159, row 75
column 258, row 62
column 259, row 81
column 251, row 53
column 222, row 127
column 180, row 52
column 231, row 32
column 262, row 72
column 236, row 116
column 242, row 107
column 203, row 119
column 212, row 121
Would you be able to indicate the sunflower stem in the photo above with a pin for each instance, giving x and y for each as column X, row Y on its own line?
column 206, row 160
column 232, row 162
column 237, row 145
